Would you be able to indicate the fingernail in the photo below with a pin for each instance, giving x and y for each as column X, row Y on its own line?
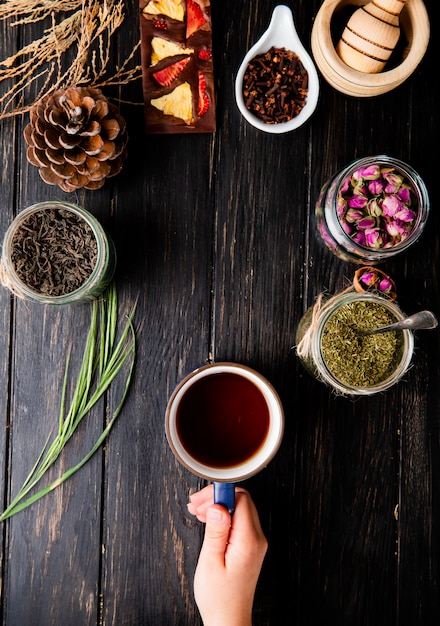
column 214, row 516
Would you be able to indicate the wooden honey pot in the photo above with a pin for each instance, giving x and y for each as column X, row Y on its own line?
column 371, row 35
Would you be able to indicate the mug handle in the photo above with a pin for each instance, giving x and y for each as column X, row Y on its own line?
column 224, row 494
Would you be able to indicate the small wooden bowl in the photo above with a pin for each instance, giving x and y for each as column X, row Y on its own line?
column 377, row 276
column 415, row 28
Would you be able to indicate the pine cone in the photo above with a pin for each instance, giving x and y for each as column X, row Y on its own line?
column 76, row 138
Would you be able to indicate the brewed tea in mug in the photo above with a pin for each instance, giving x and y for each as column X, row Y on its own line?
column 224, row 422
column 223, row 419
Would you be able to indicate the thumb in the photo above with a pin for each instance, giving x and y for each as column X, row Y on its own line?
column 218, row 525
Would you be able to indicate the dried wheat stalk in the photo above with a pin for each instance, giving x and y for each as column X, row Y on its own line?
column 84, row 26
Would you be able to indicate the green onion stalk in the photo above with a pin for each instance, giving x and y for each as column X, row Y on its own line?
column 102, row 361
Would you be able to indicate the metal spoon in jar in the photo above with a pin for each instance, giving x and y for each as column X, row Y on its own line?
column 422, row 319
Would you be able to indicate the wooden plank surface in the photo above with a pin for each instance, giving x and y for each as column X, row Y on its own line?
column 217, row 242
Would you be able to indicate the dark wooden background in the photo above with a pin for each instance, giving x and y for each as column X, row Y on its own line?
column 216, row 237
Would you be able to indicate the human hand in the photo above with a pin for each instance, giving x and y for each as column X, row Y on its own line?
column 230, row 560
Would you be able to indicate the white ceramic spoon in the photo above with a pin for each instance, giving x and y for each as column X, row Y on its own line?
column 280, row 34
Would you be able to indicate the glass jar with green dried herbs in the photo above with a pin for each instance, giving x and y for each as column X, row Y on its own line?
column 57, row 253
column 331, row 346
column 371, row 210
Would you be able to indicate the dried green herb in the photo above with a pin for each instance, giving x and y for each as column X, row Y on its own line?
column 103, row 359
column 54, row 251
column 360, row 360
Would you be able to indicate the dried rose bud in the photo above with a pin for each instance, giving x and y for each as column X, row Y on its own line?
column 370, row 172
column 375, row 187
column 375, row 238
column 353, row 215
column 404, row 194
column 368, row 278
column 405, row 215
column 391, row 205
column 386, row 285
column 358, row 202
column 347, row 228
column 374, row 208
column 341, row 207
column 366, row 223
column 394, row 182
column 394, row 229
column 376, row 202
column 345, row 186
column 360, row 190
column 359, row 238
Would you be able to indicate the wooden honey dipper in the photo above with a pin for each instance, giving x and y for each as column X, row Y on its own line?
column 371, row 35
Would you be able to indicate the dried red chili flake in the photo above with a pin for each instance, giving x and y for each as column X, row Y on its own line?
column 275, row 86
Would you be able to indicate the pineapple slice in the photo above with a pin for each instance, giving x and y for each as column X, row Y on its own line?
column 171, row 8
column 163, row 48
column 177, row 103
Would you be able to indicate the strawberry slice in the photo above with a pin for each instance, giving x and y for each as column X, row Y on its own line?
column 194, row 18
column 169, row 74
column 203, row 104
column 205, row 54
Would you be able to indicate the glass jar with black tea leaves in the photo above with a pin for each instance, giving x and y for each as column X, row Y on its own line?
column 372, row 209
column 331, row 346
column 57, row 253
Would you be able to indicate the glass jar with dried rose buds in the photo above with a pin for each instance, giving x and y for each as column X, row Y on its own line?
column 332, row 347
column 57, row 253
column 374, row 208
